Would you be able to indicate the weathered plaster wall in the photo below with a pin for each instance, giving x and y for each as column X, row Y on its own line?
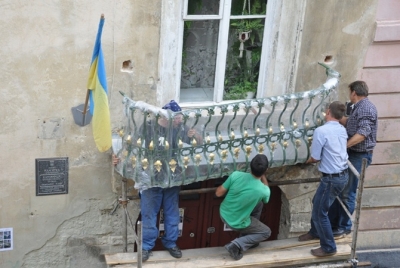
column 341, row 29
column 45, row 50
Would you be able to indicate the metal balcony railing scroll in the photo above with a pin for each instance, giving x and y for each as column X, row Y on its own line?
column 155, row 150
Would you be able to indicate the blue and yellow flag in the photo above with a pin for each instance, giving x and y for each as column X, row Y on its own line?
column 97, row 84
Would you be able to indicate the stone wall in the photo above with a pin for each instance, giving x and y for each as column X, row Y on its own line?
column 46, row 48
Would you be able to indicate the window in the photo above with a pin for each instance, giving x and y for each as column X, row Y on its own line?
column 207, row 41
column 221, row 50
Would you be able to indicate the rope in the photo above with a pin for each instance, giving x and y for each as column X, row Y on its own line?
column 244, row 7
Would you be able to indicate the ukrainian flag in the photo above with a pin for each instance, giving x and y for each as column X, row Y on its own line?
column 97, row 84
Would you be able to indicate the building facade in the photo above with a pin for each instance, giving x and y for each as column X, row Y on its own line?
column 154, row 52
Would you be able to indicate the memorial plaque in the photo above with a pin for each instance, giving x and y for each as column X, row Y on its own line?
column 51, row 176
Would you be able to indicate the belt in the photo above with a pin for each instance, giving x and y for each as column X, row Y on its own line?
column 335, row 174
column 366, row 152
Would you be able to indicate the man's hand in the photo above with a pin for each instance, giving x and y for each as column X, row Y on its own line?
column 221, row 191
column 192, row 133
column 356, row 139
column 115, row 160
column 264, row 180
column 311, row 161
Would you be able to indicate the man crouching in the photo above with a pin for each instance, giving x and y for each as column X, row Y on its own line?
column 242, row 206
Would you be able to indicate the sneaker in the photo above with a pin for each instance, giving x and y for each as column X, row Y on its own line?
column 234, row 251
column 145, row 255
column 175, row 252
column 319, row 252
column 307, row 237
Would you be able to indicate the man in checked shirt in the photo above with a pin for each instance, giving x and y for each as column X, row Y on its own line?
column 361, row 126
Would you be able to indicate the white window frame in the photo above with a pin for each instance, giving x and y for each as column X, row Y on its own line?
column 202, row 17
column 280, row 49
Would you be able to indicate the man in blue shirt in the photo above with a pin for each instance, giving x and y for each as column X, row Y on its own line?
column 154, row 198
column 329, row 148
column 361, row 128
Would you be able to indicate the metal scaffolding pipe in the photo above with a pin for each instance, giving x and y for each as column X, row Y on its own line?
column 124, row 201
column 212, row 189
column 139, row 244
column 358, row 210
column 340, row 265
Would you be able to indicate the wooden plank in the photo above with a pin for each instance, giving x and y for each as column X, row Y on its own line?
column 293, row 256
column 217, row 252
column 383, row 55
column 382, row 80
column 382, row 175
column 386, row 153
column 380, row 218
column 381, row 197
column 388, row 130
column 386, row 104
column 380, row 239
column 212, row 251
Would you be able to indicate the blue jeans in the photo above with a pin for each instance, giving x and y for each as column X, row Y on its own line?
column 151, row 201
column 254, row 233
column 337, row 216
column 328, row 189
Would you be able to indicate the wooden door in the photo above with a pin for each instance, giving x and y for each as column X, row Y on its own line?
column 214, row 232
column 201, row 222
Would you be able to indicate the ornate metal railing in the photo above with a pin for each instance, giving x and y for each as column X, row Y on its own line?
column 280, row 127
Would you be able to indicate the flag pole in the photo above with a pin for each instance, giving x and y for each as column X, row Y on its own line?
column 85, row 107
column 87, row 95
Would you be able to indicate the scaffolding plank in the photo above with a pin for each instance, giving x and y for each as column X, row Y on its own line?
column 286, row 250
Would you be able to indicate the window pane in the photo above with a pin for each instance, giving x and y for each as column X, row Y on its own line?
column 248, row 7
column 203, row 7
column 243, row 58
column 200, row 41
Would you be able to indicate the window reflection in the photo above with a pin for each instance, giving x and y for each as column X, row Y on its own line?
column 203, row 7
column 199, row 59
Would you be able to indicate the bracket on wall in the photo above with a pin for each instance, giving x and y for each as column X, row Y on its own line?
column 81, row 118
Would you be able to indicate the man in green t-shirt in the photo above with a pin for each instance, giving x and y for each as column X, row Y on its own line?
column 242, row 206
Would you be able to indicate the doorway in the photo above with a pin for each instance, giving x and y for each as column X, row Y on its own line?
column 201, row 223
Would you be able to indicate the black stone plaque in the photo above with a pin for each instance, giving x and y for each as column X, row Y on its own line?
column 51, row 176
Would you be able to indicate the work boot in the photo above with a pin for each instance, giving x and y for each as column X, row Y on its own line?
column 340, row 232
column 234, row 251
column 145, row 255
column 319, row 252
column 307, row 237
column 175, row 252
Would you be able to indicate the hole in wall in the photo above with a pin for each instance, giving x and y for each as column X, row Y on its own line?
column 127, row 66
column 328, row 59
